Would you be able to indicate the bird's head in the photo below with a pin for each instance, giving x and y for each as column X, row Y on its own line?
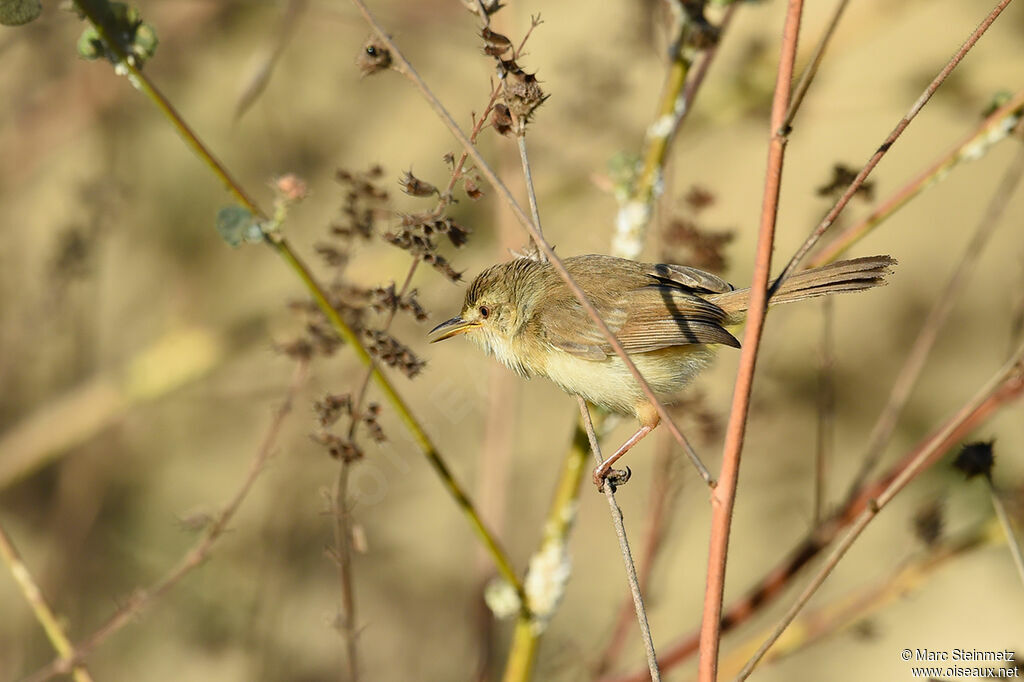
column 496, row 307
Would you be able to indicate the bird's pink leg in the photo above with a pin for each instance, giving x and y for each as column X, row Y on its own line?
column 602, row 471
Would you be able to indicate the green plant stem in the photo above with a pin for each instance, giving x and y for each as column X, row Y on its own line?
column 40, row 608
column 557, row 527
column 97, row 11
column 403, row 66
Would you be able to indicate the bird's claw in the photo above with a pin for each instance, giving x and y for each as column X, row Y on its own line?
column 615, row 477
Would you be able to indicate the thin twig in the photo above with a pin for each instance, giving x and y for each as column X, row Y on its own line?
column 694, row 81
column 912, row 367
column 831, row 216
column 779, row 577
column 1004, row 387
column 40, row 607
column 724, row 496
column 348, row 622
column 530, row 192
column 405, row 68
column 811, row 70
column 660, row 500
column 195, row 556
column 1004, row 520
column 98, row 14
column 627, row 558
column 995, row 128
column 855, row 607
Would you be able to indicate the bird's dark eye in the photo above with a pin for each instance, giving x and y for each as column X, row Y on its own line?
column 484, row 311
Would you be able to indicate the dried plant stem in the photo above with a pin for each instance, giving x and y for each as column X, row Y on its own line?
column 95, row 12
column 402, row 65
column 339, row 498
column 1011, row 537
column 811, row 70
column 834, row 212
column 1005, row 386
column 195, row 556
column 348, row 623
column 530, row 192
column 776, row 579
column 907, row 378
column 995, row 128
column 863, row 602
column 627, row 557
column 636, row 205
column 661, row 499
column 557, row 528
column 694, row 81
column 40, row 608
column 724, row 496
column 342, row 514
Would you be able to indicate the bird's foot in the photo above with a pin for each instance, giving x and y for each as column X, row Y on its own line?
column 614, row 477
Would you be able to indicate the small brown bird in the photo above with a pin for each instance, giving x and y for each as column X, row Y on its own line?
column 668, row 318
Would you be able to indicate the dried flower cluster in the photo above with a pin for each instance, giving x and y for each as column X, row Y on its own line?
column 364, row 209
column 418, row 233
column 329, row 410
column 393, row 353
column 387, row 299
column 929, row 523
column 842, row 177
column 521, row 91
column 686, row 242
column 976, row 459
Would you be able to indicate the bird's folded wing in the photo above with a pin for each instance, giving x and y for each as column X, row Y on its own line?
column 685, row 277
column 646, row 319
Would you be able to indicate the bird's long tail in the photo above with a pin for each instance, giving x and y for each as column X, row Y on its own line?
column 856, row 274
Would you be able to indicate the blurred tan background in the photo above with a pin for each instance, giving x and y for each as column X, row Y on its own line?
column 109, row 251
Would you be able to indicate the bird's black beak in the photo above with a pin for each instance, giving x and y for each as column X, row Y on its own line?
column 450, row 328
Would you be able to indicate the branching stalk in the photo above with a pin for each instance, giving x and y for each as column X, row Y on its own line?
column 97, row 13
column 724, row 496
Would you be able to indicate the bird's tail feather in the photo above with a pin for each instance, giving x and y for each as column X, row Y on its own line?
column 856, row 274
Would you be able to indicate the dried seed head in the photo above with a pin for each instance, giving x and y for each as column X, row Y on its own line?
column 976, row 459
column 522, row 92
column 501, row 119
column 842, row 177
column 394, row 353
column 489, row 6
column 415, row 187
column 495, row 44
column 330, row 408
column 374, row 56
column 689, row 244
column 338, row 447
column 929, row 522
column 472, row 187
column 698, row 198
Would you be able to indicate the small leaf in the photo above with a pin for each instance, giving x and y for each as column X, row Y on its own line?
column 235, row 224
column 18, row 12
